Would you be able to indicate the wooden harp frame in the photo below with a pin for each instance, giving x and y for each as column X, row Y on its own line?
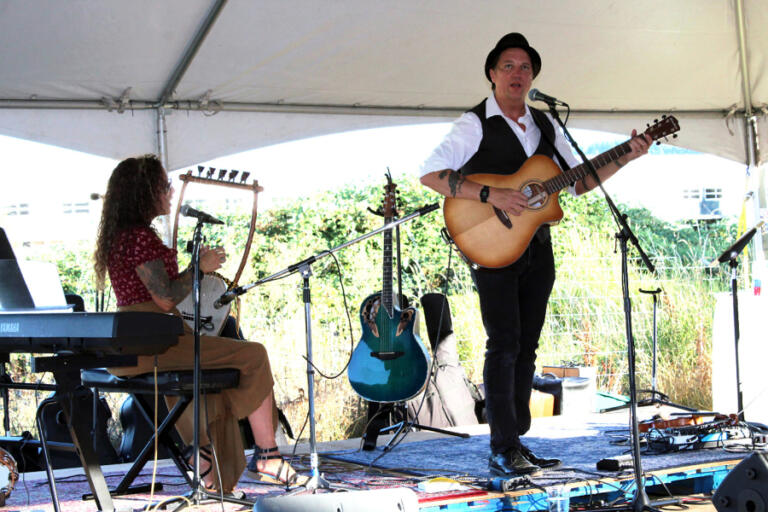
column 254, row 187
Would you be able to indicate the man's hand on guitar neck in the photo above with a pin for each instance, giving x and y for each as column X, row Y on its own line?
column 451, row 183
column 639, row 145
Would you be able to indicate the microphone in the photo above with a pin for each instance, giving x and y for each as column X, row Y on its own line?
column 203, row 217
column 228, row 297
column 537, row 95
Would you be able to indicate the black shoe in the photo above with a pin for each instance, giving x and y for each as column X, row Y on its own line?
column 511, row 463
column 542, row 463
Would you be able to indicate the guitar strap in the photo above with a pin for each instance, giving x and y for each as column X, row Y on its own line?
column 540, row 118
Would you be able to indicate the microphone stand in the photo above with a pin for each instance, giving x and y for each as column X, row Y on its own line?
column 657, row 397
column 317, row 481
column 731, row 255
column 640, row 501
column 199, row 492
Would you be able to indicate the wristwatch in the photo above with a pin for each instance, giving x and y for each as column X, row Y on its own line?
column 484, row 193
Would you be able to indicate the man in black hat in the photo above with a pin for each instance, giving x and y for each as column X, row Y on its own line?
column 497, row 136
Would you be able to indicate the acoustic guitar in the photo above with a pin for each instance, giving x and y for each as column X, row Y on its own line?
column 491, row 238
column 390, row 363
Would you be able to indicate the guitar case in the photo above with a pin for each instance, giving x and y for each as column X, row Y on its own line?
column 55, row 428
column 137, row 431
column 451, row 397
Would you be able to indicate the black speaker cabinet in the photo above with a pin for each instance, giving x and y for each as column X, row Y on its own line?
column 745, row 488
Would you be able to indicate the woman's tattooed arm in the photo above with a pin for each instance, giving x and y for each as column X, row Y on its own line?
column 161, row 287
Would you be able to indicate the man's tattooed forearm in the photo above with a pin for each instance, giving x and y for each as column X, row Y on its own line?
column 455, row 180
column 155, row 278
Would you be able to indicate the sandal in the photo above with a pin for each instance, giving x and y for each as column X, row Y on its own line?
column 205, row 455
column 267, row 477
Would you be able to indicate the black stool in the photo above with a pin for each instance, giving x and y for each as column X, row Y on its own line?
column 142, row 387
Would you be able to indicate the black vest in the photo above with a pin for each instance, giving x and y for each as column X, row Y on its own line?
column 500, row 151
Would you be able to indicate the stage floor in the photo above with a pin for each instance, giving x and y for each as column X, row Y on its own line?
column 580, row 441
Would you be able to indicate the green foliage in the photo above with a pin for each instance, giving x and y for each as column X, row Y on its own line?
column 585, row 323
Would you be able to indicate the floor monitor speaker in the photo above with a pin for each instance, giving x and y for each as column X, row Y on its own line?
column 745, row 488
column 398, row 499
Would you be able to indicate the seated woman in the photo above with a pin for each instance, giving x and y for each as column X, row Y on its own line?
column 145, row 277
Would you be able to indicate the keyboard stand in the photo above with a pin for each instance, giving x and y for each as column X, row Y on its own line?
column 66, row 372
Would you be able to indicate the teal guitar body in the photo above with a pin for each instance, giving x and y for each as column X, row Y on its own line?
column 390, row 363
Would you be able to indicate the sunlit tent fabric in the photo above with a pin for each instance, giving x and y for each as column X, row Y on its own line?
column 218, row 77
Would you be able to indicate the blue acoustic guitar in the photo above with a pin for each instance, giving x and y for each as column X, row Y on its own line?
column 390, row 363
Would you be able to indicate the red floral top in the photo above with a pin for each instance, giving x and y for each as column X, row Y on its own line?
column 131, row 248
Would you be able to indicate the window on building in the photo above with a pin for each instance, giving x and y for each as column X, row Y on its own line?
column 17, row 209
column 692, row 193
column 76, row 208
column 710, row 203
column 713, row 193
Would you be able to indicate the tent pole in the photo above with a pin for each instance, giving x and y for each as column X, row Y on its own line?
column 162, row 153
column 191, row 51
column 751, row 140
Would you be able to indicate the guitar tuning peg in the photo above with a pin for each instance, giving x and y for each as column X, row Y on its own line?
column 663, row 116
column 658, row 143
column 655, row 121
column 244, row 176
column 674, row 136
column 222, row 173
column 200, row 169
column 232, row 174
column 210, row 172
column 647, row 125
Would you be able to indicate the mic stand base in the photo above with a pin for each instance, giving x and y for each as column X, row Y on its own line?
column 656, row 398
column 405, row 426
column 202, row 495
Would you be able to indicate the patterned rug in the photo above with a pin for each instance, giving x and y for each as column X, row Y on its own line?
column 579, row 443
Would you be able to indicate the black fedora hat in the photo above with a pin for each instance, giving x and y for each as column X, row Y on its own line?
column 512, row 40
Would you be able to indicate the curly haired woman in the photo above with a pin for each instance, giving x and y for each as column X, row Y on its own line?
column 145, row 276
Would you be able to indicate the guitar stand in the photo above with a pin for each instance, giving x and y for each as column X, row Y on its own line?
column 657, row 397
column 404, row 426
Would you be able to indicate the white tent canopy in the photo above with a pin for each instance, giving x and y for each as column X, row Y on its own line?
column 218, row 77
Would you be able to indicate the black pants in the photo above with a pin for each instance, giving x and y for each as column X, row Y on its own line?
column 513, row 303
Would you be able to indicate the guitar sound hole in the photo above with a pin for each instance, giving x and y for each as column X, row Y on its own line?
column 387, row 356
column 536, row 194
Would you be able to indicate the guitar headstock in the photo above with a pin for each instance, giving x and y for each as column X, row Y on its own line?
column 660, row 129
column 388, row 209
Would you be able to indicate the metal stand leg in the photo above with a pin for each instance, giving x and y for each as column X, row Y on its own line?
column 316, row 481
column 47, row 456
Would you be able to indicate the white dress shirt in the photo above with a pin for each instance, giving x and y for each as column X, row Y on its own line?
column 463, row 140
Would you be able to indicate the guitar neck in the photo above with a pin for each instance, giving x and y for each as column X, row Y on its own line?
column 386, row 287
column 580, row 171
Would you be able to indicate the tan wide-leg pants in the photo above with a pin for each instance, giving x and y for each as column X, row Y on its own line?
column 222, row 410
